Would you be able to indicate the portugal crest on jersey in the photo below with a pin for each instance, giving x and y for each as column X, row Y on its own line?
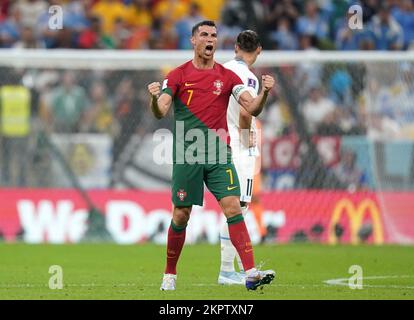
column 218, row 84
column 181, row 194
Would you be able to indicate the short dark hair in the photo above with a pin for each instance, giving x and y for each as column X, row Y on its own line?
column 248, row 41
column 209, row 23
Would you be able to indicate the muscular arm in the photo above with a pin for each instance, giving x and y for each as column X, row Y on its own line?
column 245, row 119
column 245, row 122
column 160, row 103
column 255, row 105
column 161, row 106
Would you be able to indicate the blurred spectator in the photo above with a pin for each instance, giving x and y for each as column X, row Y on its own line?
column 68, row 105
column 94, row 38
column 15, row 118
column 170, row 11
column 283, row 38
column 139, row 20
column 308, row 74
column 28, row 40
column 31, row 10
column 275, row 10
column 128, row 103
column 57, row 38
column 382, row 128
column 307, row 42
column 163, row 37
column 317, row 108
column 228, row 29
column 45, row 80
column 120, row 36
column 139, row 14
column 312, row 23
column 281, row 24
column 386, row 32
column 329, row 125
column 348, row 172
column 109, row 11
column 350, row 122
column 403, row 13
column 340, row 87
column 75, row 15
column 406, row 81
column 246, row 14
column 4, row 9
column 347, row 38
column 166, row 14
column 335, row 12
column 10, row 28
column 369, row 8
column 99, row 117
column 211, row 9
column 395, row 100
column 276, row 120
column 184, row 26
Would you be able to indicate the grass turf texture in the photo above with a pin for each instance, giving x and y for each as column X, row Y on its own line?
column 105, row 271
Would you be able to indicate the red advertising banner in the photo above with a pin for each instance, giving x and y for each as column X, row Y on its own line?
column 284, row 152
column 60, row 216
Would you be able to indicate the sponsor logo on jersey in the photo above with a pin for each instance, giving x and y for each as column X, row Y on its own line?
column 251, row 83
column 189, row 84
column 218, row 84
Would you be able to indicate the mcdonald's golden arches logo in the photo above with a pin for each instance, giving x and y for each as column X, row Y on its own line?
column 356, row 215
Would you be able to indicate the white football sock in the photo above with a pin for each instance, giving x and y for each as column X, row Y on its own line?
column 228, row 252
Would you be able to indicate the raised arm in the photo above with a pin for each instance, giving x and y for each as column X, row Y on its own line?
column 160, row 103
column 255, row 105
column 245, row 122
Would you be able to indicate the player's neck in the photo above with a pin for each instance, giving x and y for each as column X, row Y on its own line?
column 201, row 63
column 246, row 59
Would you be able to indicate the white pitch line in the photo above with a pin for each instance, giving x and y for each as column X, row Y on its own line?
column 344, row 282
column 327, row 283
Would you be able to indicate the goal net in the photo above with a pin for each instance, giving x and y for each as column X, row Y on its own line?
column 337, row 157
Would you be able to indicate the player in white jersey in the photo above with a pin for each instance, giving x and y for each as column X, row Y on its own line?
column 242, row 130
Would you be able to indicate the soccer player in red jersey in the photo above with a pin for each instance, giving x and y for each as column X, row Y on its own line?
column 200, row 90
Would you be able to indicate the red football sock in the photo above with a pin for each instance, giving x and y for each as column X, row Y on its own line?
column 176, row 238
column 241, row 240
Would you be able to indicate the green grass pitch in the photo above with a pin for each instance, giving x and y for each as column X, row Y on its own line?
column 107, row 271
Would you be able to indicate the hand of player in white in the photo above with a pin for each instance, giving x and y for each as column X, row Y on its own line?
column 154, row 89
column 267, row 82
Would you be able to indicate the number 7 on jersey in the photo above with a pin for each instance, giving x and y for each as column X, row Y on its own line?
column 190, row 95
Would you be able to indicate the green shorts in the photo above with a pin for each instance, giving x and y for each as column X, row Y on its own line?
column 188, row 182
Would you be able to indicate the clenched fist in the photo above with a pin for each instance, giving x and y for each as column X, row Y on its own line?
column 154, row 89
column 267, row 82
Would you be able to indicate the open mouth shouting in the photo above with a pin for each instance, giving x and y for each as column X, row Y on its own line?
column 209, row 50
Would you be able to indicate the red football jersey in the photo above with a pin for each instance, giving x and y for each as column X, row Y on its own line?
column 201, row 96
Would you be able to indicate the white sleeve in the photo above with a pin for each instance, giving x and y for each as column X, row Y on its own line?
column 238, row 90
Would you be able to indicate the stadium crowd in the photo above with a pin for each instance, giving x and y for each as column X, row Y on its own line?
column 336, row 99
column 166, row 24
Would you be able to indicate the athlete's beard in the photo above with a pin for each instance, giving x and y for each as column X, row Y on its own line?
column 203, row 59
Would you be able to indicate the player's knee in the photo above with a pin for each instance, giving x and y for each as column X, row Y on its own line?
column 181, row 216
column 231, row 207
